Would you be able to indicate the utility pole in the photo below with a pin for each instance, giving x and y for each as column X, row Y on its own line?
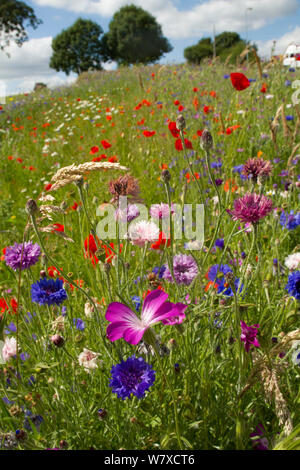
column 214, row 43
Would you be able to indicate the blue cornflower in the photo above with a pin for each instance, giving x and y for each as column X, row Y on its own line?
column 239, row 169
column 226, row 76
column 136, row 301
column 159, row 270
column 11, row 328
column 289, row 118
column 133, row 376
column 289, row 221
column 32, row 420
column 291, row 69
column 80, row 325
column 48, row 292
column 293, row 284
column 219, row 243
column 288, row 83
column 217, row 273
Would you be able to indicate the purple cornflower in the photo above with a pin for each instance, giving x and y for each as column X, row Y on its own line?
column 289, row 221
column 251, row 208
column 219, row 243
column 185, row 269
column 255, row 167
column 133, row 376
column 18, row 260
column 248, row 335
column 217, row 273
column 293, row 285
column 79, row 324
column 127, row 214
column 48, row 292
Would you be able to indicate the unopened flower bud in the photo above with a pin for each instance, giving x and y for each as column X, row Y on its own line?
column 166, row 176
column 43, row 274
column 63, row 444
column 57, row 340
column 172, row 343
column 180, row 122
column 31, row 207
column 206, row 140
column 102, row 413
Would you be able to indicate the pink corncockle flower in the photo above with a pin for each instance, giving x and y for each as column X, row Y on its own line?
column 9, row 348
column 143, row 232
column 251, row 208
column 248, row 335
column 125, row 324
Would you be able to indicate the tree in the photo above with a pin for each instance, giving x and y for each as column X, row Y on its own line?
column 78, row 48
column 194, row 54
column 15, row 16
column 134, row 37
column 227, row 44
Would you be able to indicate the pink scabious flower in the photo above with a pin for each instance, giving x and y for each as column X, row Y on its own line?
column 9, row 349
column 251, row 208
column 125, row 324
column 248, row 335
column 143, row 232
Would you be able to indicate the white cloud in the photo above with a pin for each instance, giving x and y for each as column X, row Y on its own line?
column 193, row 22
column 29, row 64
column 264, row 47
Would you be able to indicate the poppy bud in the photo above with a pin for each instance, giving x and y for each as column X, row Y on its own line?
column 206, row 140
column 43, row 274
column 102, row 413
column 180, row 122
column 57, row 340
column 31, row 207
column 166, row 176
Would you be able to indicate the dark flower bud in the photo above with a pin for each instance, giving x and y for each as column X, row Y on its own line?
column 63, row 444
column 31, row 207
column 21, row 434
column 206, row 140
column 102, row 413
column 43, row 274
column 57, row 340
column 166, row 176
column 177, row 367
column 180, row 122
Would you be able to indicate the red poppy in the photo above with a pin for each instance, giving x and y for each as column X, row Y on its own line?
column 195, row 89
column 113, row 159
column 199, row 133
column 180, row 108
column 75, row 205
column 161, row 242
column 207, row 109
column 53, row 272
column 98, row 159
column 58, row 228
column 173, row 129
column 149, row 133
column 4, row 306
column 239, row 81
column 48, row 187
column 176, row 102
column 178, row 144
column 105, row 144
column 94, row 150
column 263, row 88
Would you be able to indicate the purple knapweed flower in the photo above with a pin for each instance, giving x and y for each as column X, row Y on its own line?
column 255, row 167
column 251, row 208
column 22, row 256
column 185, row 270
column 248, row 335
column 125, row 324
column 132, row 377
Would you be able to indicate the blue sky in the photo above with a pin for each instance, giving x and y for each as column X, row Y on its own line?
column 183, row 22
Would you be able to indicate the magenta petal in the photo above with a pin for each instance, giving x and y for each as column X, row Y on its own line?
column 178, row 315
column 117, row 312
column 133, row 336
column 152, row 304
column 115, row 330
column 165, row 311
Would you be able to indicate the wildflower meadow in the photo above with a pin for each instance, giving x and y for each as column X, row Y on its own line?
column 150, row 260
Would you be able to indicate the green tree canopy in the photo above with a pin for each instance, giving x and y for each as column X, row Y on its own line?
column 78, row 48
column 227, row 44
column 15, row 16
column 134, row 37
